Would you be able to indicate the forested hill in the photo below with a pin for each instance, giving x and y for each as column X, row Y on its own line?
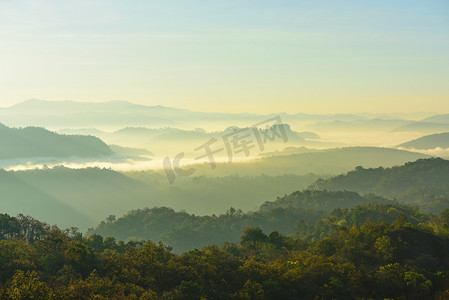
column 322, row 200
column 424, row 182
column 83, row 197
column 185, row 231
column 428, row 142
column 32, row 142
column 404, row 257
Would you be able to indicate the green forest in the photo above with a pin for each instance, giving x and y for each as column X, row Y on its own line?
column 423, row 182
column 377, row 233
column 323, row 242
column 185, row 231
column 417, row 186
column 403, row 255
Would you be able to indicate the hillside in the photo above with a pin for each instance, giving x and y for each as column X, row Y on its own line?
column 71, row 197
column 95, row 193
column 423, row 127
column 20, row 196
column 300, row 161
column 33, row 142
column 54, row 195
column 424, row 182
column 432, row 141
column 185, row 231
column 361, row 124
column 443, row 118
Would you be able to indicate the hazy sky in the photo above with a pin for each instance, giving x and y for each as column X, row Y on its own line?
column 230, row 55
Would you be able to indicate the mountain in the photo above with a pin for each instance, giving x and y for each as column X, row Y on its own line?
column 33, row 142
column 444, row 118
column 185, row 231
column 72, row 197
column 422, row 126
column 307, row 214
column 361, row 124
column 23, row 196
column 300, row 160
column 424, row 182
column 337, row 199
column 130, row 152
column 432, row 141
column 92, row 194
column 112, row 114
column 432, row 124
column 176, row 134
column 119, row 114
column 173, row 134
column 170, row 141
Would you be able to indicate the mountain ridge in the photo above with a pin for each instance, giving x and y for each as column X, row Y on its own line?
column 432, row 141
column 32, row 142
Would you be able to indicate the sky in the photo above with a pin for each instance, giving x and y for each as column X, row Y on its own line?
column 230, row 56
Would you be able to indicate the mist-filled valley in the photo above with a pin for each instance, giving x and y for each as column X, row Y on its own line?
column 77, row 176
column 117, row 177
column 202, row 150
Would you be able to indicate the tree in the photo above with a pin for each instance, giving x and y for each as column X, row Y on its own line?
column 28, row 286
column 111, row 219
column 252, row 236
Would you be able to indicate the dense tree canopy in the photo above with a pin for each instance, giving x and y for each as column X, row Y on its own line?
column 402, row 256
column 185, row 231
column 423, row 182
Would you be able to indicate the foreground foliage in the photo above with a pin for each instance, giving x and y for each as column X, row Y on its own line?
column 406, row 257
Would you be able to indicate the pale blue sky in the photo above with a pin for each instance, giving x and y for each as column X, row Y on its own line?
column 233, row 56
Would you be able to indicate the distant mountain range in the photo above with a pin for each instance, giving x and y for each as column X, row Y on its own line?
column 120, row 114
column 444, row 118
column 376, row 124
column 423, row 127
column 112, row 114
column 432, row 141
column 166, row 140
column 32, row 142
column 168, row 133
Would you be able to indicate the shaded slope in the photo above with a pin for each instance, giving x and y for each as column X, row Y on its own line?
column 37, row 142
column 428, row 142
column 330, row 161
column 19, row 196
column 422, row 181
